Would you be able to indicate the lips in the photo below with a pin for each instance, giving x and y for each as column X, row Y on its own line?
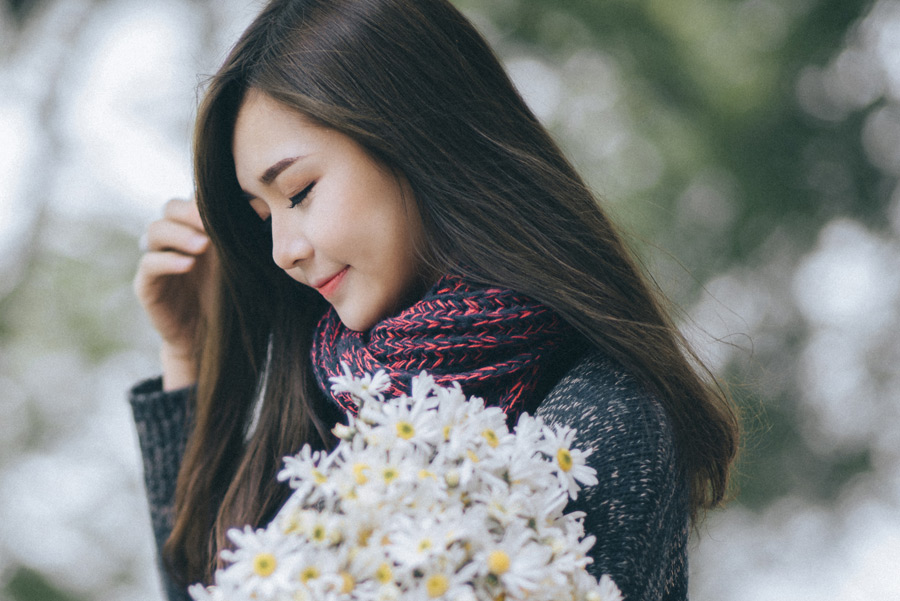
column 327, row 286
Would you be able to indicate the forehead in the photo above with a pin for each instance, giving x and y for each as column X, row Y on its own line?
column 266, row 132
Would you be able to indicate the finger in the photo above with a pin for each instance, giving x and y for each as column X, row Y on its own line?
column 154, row 265
column 185, row 211
column 169, row 235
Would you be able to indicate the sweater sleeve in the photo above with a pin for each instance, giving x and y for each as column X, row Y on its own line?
column 638, row 511
column 163, row 421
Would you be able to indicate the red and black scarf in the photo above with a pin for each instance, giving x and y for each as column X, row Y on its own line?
column 499, row 345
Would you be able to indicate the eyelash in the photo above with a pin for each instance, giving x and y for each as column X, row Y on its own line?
column 300, row 196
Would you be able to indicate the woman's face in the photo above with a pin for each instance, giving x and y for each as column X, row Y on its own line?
column 342, row 223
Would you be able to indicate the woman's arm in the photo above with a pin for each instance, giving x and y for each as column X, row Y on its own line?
column 163, row 420
column 639, row 509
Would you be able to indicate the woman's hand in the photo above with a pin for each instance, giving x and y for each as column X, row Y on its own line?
column 174, row 283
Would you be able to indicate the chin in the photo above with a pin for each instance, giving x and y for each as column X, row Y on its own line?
column 357, row 323
column 365, row 318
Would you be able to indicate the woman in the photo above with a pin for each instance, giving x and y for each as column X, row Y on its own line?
column 419, row 217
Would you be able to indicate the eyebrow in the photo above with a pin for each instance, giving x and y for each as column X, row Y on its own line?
column 275, row 170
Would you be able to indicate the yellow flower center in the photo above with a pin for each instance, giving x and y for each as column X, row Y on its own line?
column 359, row 472
column 364, row 537
column 405, row 430
column 425, row 474
column 384, row 574
column 292, row 525
column 436, row 585
column 472, row 456
column 452, row 478
column 564, row 458
column 424, row 544
column 491, row 437
column 347, row 583
column 389, row 474
column 318, row 533
column 264, row 564
column 447, row 429
column 319, row 477
column 498, row 562
column 309, row 573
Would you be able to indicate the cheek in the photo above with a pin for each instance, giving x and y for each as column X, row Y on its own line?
column 375, row 228
column 404, row 271
column 333, row 226
column 400, row 243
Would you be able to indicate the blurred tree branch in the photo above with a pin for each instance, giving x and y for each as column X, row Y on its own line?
column 65, row 33
column 21, row 9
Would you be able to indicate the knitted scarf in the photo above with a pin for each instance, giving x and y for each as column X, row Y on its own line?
column 498, row 344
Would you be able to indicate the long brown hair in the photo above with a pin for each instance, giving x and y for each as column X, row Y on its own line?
column 419, row 88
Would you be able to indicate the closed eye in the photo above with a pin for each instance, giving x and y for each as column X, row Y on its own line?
column 300, row 196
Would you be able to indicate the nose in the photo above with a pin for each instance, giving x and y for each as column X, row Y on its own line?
column 290, row 246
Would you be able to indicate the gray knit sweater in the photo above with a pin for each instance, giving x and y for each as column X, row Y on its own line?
column 638, row 511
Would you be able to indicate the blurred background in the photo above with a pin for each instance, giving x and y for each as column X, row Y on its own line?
column 750, row 149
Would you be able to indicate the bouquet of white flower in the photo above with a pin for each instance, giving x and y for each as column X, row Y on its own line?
column 427, row 496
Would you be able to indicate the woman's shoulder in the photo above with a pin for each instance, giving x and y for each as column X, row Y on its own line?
column 598, row 395
column 627, row 428
column 639, row 509
column 624, row 422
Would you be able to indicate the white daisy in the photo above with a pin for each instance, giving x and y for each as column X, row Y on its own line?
column 407, row 423
column 503, row 504
column 307, row 472
column 606, row 591
column 547, row 506
column 322, row 575
column 261, row 564
column 419, row 539
column 363, row 388
column 570, row 463
column 517, row 562
column 421, row 387
column 571, row 555
column 198, row 592
column 442, row 583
